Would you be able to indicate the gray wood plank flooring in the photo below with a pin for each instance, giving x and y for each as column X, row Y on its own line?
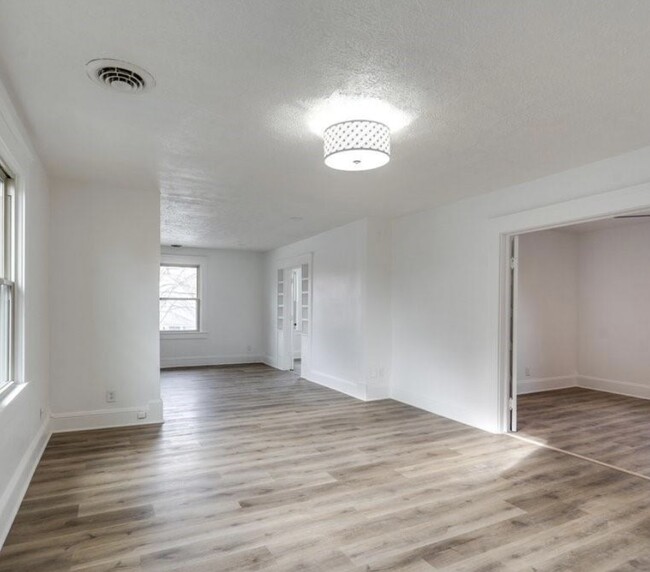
column 256, row 469
column 610, row 428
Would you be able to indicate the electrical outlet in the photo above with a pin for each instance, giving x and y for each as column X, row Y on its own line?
column 111, row 396
column 42, row 412
column 249, row 349
column 142, row 414
column 527, row 372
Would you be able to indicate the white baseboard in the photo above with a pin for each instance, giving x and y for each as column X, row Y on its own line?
column 613, row 386
column 599, row 384
column 13, row 495
column 350, row 388
column 447, row 410
column 270, row 361
column 198, row 361
column 106, row 418
column 536, row 385
column 376, row 392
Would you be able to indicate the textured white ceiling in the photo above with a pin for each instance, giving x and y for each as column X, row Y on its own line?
column 494, row 93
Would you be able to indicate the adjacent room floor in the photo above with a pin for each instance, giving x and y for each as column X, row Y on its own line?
column 611, row 428
column 256, row 469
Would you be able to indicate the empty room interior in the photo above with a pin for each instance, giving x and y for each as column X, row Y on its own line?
column 324, row 286
column 583, row 320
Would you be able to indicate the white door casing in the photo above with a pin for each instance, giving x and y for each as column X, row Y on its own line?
column 284, row 324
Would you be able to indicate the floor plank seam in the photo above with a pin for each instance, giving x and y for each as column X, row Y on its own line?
column 578, row 456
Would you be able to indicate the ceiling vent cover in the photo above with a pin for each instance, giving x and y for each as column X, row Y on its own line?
column 120, row 76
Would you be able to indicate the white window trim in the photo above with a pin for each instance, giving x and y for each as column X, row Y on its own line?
column 202, row 263
column 12, row 186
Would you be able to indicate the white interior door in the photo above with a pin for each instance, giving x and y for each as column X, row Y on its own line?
column 296, row 311
column 283, row 315
column 514, row 290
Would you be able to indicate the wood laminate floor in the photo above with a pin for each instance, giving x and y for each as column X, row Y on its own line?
column 255, row 469
column 611, row 428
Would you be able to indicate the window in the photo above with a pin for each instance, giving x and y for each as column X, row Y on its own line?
column 7, row 277
column 180, row 303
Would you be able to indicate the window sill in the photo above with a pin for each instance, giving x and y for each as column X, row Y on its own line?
column 183, row 335
column 9, row 392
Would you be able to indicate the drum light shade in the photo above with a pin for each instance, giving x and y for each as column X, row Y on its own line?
column 358, row 145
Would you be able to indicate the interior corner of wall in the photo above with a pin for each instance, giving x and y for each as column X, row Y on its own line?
column 270, row 361
column 377, row 392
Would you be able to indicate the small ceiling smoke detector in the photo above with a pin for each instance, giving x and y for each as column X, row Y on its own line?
column 120, row 76
column 358, row 145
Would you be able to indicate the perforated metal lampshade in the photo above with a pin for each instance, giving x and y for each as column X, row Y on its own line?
column 357, row 145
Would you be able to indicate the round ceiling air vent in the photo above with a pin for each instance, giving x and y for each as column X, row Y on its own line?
column 120, row 76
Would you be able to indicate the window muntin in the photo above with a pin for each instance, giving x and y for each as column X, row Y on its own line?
column 7, row 279
column 180, row 302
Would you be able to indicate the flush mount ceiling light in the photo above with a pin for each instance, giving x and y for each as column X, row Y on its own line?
column 356, row 145
column 120, row 76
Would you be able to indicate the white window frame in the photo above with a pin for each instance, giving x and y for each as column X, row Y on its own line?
column 8, row 223
column 200, row 263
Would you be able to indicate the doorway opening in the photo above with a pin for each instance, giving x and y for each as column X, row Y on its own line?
column 579, row 325
column 293, row 317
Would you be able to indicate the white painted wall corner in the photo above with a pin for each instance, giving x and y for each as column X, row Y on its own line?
column 13, row 495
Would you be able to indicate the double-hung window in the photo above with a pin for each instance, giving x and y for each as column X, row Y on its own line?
column 7, row 279
column 180, row 302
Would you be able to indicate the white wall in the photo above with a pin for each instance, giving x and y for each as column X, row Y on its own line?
column 449, row 280
column 584, row 311
column 105, row 252
column 339, row 354
column 232, row 311
column 614, row 309
column 23, row 431
column 547, row 324
column 377, row 312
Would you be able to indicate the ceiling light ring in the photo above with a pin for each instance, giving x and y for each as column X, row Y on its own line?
column 357, row 121
column 356, row 145
column 359, row 149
